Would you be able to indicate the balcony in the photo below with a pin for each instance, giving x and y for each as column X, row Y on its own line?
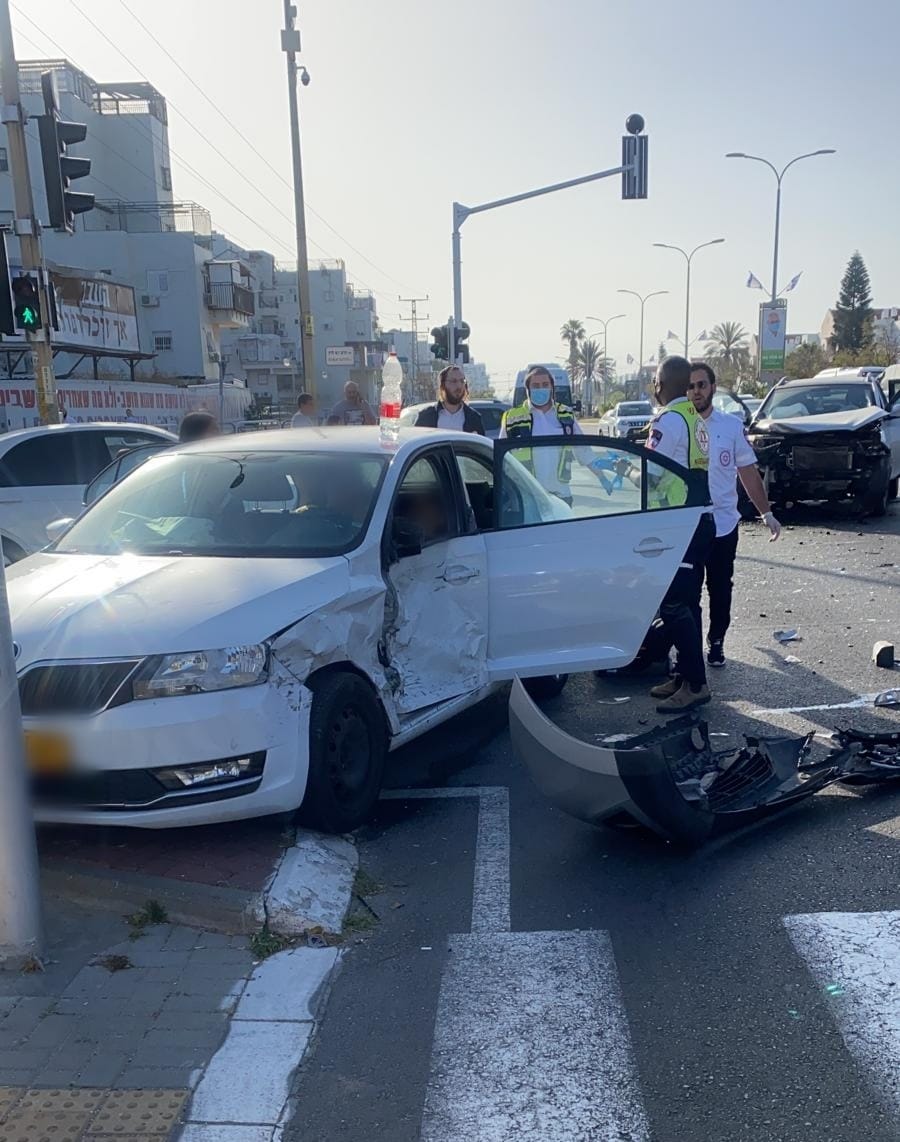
column 230, row 297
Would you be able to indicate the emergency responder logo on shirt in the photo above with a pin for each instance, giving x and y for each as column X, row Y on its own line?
column 724, row 457
column 701, row 435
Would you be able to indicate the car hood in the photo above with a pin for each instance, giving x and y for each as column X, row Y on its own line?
column 91, row 606
column 849, row 420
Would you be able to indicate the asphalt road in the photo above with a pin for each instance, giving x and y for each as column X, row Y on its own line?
column 641, row 992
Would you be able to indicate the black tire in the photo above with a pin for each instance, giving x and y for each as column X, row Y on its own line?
column 876, row 501
column 894, row 488
column 347, row 752
column 546, row 686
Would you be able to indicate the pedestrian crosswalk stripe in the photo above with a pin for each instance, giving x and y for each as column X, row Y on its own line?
column 855, row 958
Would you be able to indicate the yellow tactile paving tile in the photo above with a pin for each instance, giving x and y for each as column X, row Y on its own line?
column 88, row 1115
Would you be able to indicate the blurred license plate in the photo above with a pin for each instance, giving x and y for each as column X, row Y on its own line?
column 822, row 459
column 47, row 754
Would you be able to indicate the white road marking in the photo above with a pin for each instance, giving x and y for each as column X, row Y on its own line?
column 532, row 1044
column 855, row 704
column 854, row 957
column 490, row 894
column 243, row 1093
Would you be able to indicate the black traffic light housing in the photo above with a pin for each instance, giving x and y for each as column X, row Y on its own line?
column 60, row 168
column 26, row 303
column 634, row 159
column 440, row 345
column 462, row 335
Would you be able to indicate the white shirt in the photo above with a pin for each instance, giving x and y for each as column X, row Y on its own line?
column 301, row 420
column 545, row 422
column 669, row 434
column 729, row 450
column 452, row 420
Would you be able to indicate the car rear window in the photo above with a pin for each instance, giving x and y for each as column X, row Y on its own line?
column 253, row 504
column 639, row 408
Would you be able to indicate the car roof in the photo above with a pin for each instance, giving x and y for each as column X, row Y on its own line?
column 365, row 440
column 8, row 439
column 851, row 377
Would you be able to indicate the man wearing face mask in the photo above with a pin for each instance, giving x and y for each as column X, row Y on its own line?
column 541, row 415
column 451, row 410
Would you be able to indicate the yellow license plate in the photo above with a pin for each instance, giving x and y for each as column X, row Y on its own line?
column 47, row 754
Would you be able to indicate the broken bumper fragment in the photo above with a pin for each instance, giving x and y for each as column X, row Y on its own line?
column 671, row 780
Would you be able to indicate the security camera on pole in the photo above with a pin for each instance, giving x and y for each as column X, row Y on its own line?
column 634, row 185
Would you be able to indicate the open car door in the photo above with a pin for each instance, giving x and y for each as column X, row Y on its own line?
column 576, row 586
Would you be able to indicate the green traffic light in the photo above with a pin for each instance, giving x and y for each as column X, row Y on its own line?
column 29, row 318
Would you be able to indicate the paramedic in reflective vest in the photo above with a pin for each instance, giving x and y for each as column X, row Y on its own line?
column 680, row 433
column 540, row 415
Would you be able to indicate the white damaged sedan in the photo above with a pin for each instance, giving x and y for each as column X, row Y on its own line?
column 248, row 626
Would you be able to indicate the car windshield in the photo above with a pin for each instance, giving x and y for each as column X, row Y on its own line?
column 636, row 408
column 491, row 415
column 288, row 504
column 815, row 400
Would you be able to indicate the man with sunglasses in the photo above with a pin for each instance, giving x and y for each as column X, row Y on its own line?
column 730, row 458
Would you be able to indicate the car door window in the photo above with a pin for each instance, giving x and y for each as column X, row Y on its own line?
column 477, row 476
column 587, row 480
column 48, row 460
column 423, row 510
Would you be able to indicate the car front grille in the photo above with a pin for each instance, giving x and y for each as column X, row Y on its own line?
column 71, row 687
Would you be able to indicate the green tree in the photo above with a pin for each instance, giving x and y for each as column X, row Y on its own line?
column 591, row 366
column 853, row 312
column 805, row 361
column 572, row 332
column 729, row 352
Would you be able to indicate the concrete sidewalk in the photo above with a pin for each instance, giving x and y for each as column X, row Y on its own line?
column 134, row 1030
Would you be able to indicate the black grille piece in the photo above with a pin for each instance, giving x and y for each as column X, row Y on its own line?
column 72, row 687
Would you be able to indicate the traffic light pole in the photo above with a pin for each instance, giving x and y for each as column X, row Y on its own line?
column 461, row 213
column 290, row 45
column 27, row 227
column 20, row 904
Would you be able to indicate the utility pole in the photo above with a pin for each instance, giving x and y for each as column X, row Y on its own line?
column 26, row 226
column 413, row 318
column 290, row 45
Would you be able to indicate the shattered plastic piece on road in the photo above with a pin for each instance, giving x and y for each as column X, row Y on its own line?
column 791, row 658
column 786, row 635
column 883, row 655
column 611, row 701
column 670, row 779
column 888, row 698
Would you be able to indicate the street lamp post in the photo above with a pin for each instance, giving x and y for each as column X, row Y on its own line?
column 688, row 257
column 643, row 300
column 779, row 175
column 603, row 381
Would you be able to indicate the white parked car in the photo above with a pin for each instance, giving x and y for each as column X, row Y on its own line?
column 246, row 624
column 44, row 471
column 627, row 419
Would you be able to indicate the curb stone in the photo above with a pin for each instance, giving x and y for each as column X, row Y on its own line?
column 310, row 888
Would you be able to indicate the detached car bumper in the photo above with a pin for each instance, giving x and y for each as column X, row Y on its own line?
column 127, row 765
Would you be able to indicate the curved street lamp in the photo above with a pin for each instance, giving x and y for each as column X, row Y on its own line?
column 779, row 175
column 643, row 300
column 600, row 321
column 688, row 257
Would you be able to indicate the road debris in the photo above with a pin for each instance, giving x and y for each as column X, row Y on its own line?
column 888, row 699
column 786, row 635
column 883, row 655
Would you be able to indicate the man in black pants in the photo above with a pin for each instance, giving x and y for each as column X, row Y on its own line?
column 680, row 433
column 730, row 458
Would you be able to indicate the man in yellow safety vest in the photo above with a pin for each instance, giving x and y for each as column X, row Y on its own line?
column 542, row 415
column 679, row 432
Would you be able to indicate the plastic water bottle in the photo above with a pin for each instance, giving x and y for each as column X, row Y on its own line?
column 391, row 399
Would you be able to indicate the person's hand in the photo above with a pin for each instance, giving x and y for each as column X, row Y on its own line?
column 773, row 525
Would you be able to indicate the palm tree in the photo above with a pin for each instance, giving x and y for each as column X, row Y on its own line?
column 729, row 350
column 591, row 366
column 572, row 333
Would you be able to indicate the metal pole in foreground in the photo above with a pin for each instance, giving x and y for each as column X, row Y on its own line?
column 26, row 226
column 20, row 901
column 290, row 45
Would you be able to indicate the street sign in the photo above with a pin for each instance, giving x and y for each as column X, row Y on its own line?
column 772, row 332
column 340, row 355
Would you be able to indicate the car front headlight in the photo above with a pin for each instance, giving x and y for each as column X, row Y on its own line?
column 201, row 671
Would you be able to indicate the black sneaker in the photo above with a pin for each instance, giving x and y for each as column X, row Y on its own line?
column 715, row 655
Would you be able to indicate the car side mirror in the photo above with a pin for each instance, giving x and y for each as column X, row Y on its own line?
column 406, row 539
column 57, row 528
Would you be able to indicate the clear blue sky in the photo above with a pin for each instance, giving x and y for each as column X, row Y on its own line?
column 414, row 104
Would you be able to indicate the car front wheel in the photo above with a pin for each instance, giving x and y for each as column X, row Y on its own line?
column 546, row 686
column 347, row 752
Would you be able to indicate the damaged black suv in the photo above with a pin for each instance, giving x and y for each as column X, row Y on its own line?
column 829, row 438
